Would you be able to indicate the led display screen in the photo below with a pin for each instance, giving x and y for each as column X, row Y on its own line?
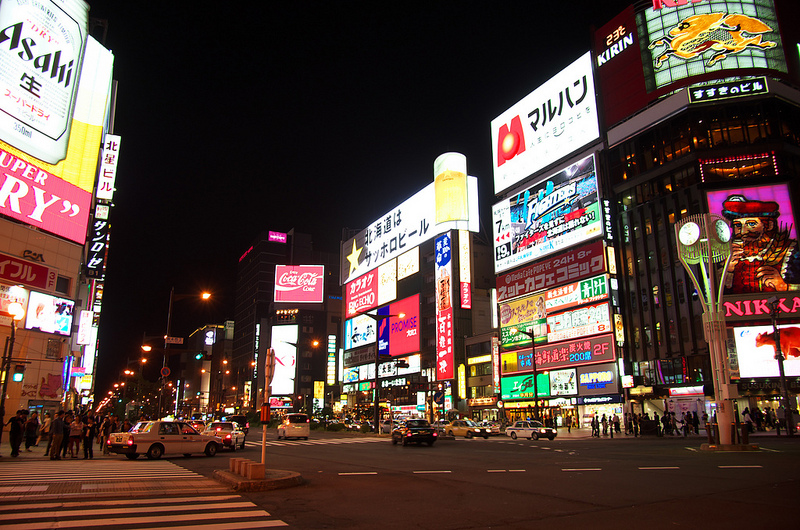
column 50, row 314
column 284, row 342
column 556, row 213
column 756, row 350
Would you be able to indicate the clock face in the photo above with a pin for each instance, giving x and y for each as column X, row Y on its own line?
column 723, row 230
column 689, row 234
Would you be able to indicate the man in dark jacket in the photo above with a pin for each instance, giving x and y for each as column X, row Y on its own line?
column 57, row 432
column 16, row 424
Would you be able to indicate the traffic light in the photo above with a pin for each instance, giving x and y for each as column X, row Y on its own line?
column 199, row 356
column 19, row 373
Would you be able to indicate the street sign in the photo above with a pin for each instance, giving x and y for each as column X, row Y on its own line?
column 174, row 340
column 165, row 371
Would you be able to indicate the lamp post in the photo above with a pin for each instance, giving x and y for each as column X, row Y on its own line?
column 705, row 240
column 376, row 413
column 788, row 410
column 168, row 339
column 535, row 388
column 17, row 312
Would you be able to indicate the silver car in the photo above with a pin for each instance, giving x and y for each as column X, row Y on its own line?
column 533, row 430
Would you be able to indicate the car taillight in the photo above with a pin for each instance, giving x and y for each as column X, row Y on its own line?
column 228, row 436
column 435, row 433
column 130, row 440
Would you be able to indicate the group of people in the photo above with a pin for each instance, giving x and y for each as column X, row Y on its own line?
column 612, row 423
column 66, row 433
column 764, row 420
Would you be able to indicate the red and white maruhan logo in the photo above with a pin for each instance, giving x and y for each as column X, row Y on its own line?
column 299, row 283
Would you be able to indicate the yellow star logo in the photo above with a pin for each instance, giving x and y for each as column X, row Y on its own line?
column 353, row 258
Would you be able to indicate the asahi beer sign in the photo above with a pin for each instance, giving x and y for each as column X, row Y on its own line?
column 41, row 47
column 548, row 124
column 558, row 212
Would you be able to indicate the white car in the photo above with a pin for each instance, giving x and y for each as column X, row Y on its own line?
column 157, row 438
column 230, row 433
column 533, row 430
column 294, row 426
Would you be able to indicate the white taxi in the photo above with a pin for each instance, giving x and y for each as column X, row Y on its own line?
column 157, row 438
column 294, row 425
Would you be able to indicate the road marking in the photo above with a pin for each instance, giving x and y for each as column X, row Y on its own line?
column 430, row 472
column 516, row 471
column 739, row 467
column 359, row 473
column 583, row 469
column 659, row 467
column 495, row 470
column 770, row 450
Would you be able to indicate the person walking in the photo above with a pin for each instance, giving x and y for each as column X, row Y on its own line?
column 89, row 434
column 604, row 421
column 16, row 424
column 56, row 435
column 748, row 419
column 31, row 431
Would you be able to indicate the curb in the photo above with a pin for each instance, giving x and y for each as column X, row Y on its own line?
column 274, row 479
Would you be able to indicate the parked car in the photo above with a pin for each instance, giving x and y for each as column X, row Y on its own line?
column 466, row 428
column 532, row 430
column 241, row 420
column 294, row 425
column 157, row 438
column 441, row 425
column 387, row 426
column 415, row 431
column 230, row 433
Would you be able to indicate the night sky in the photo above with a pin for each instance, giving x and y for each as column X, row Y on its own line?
column 240, row 117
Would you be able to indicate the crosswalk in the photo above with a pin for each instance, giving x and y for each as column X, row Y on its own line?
column 39, row 494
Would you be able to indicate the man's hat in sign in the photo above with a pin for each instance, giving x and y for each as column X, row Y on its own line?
column 737, row 206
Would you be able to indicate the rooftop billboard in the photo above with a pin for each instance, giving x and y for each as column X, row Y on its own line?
column 556, row 119
column 300, row 283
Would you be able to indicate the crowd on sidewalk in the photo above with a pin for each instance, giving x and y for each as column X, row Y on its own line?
column 69, row 432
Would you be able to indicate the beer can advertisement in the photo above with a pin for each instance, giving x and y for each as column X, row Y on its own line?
column 558, row 212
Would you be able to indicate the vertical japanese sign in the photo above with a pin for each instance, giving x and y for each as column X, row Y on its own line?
column 108, row 167
column 444, row 309
column 496, row 364
column 98, row 243
column 464, row 265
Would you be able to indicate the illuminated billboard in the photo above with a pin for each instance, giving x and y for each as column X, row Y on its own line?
column 551, row 122
column 300, row 283
column 19, row 271
column 521, row 386
column 359, row 331
column 578, row 352
column 399, row 335
column 57, row 197
column 41, row 48
column 597, row 380
column 50, row 314
column 587, row 320
column 765, row 257
column 756, row 350
column 556, row 213
column 525, row 314
column 407, row 226
column 578, row 293
column 284, row 341
column 711, row 36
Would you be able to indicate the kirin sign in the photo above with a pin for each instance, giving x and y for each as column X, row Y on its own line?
column 299, row 283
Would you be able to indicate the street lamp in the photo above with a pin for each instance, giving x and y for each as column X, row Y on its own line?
column 376, row 415
column 704, row 240
column 17, row 312
column 168, row 339
column 533, row 356
column 788, row 410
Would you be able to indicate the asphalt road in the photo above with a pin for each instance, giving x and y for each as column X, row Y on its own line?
column 367, row 483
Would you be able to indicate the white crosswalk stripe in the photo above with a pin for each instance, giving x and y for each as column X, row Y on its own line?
column 331, row 441
column 38, row 471
column 196, row 512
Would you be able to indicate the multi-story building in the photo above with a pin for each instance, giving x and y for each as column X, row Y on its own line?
column 416, row 285
column 288, row 299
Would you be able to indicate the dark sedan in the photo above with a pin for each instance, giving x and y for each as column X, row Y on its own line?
column 415, row 431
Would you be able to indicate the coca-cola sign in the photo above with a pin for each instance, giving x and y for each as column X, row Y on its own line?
column 299, row 283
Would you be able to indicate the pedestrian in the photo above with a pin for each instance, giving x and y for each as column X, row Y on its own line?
column 16, row 425
column 57, row 435
column 748, row 419
column 569, row 424
column 89, row 434
column 31, row 431
column 635, row 425
column 595, row 426
column 696, row 423
column 616, row 423
column 658, row 423
column 44, row 431
column 75, row 436
column 604, row 421
column 781, row 416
